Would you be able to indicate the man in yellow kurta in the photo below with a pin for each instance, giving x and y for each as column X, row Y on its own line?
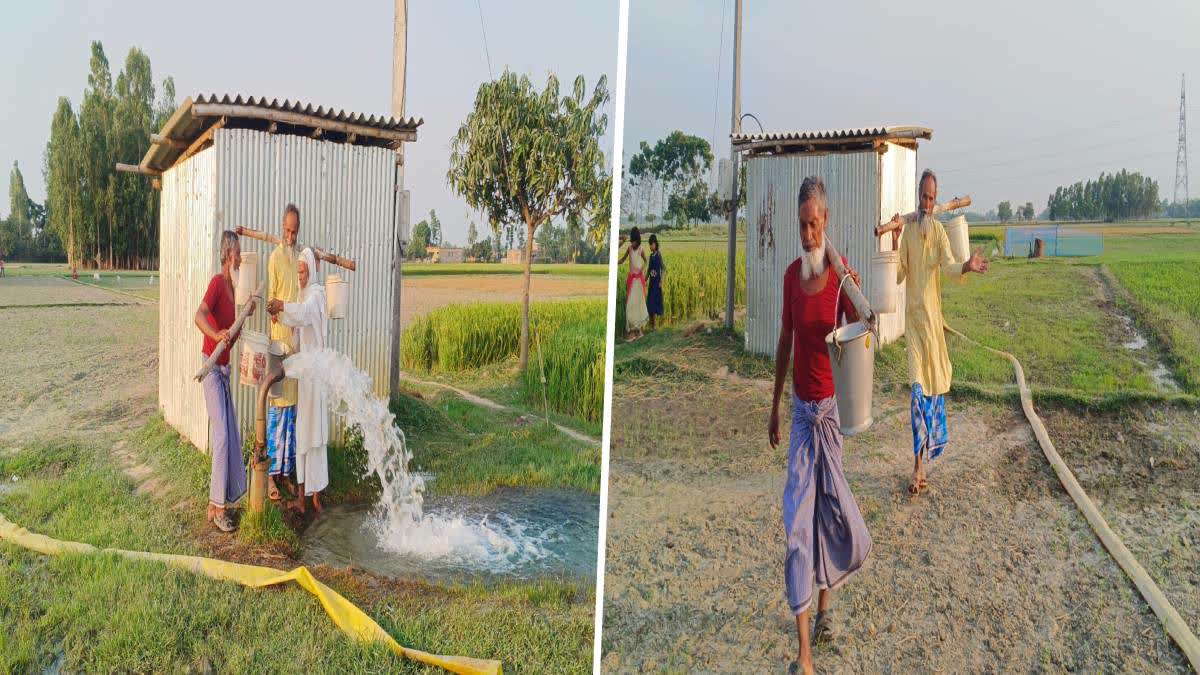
column 925, row 256
column 283, row 285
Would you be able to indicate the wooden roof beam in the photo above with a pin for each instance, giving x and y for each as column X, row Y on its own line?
column 301, row 119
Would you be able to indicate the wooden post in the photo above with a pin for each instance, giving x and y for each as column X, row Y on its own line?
column 399, row 73
column 735, row 128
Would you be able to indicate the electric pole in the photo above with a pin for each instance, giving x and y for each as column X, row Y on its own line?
column 735, row 127
column 399, row 70
column 1181, row 153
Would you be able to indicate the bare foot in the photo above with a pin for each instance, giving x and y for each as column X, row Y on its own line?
column 297, row 504
column 316, row 499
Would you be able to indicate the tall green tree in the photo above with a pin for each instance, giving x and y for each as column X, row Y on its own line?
column 472, row 234
column 64, row 182
column 524, row 156
column 18, row 197
column 1004, row 212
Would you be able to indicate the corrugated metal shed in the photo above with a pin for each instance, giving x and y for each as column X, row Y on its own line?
column 191, row 127
column 349, row 201
column 863, row 187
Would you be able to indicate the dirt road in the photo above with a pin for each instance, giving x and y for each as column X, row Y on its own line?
column 992, row 570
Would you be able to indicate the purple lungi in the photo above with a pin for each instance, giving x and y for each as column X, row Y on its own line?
column 827, row 538
column 228, row 478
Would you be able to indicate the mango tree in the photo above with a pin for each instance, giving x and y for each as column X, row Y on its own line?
column 524, row 156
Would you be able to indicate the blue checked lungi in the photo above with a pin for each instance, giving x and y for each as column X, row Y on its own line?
column 827, row 537
column 928, row 423
column 281, row 432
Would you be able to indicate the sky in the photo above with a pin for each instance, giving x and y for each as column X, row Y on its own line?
column 1022, row 96
column 336, row 55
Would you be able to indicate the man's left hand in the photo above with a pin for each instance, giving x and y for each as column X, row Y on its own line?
column 976, row 263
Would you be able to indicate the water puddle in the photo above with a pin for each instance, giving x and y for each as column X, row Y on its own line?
column 1160, row 375
column 529, row 534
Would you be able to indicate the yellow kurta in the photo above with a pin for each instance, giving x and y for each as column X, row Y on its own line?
column 924, row 256
column 283, row 284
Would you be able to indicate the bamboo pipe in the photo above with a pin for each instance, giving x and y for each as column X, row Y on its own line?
column 233, row 330
column 892, row 224
column 320, row 253
column 258, row 481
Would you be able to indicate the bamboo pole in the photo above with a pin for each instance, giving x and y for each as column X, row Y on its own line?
column 134, row 168
column 908, row 218
column 320, row 253
column 233, row 330
column 853, row 292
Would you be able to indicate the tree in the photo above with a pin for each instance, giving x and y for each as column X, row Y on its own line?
column 435, row 229
column 420, row 240
column 472, row 234
column 64, row 181
column 1004, row 212
column 690, row 206
column 1110, row 197
column 1027, row 211
column 524, row 156
column 18, row 198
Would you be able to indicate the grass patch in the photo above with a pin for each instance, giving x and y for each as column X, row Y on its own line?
column 1164, row 297
column 267, row 527
column 473, row 450
column 107, row 614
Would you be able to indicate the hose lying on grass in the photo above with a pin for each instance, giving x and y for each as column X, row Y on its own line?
column 349, row 618
column 1172, row 622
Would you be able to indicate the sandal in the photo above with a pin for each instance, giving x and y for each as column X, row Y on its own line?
column 222, row 522
column 823, row 630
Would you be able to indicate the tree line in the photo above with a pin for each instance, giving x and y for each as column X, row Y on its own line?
column 102, row 218
column 667, row 181
column 23, row 235
column 1112, row 196
column 570, row 243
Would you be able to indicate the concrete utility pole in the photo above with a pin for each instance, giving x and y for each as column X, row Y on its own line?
column 735, row 127
column 399, row 70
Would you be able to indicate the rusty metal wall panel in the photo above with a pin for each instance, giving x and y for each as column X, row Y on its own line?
column 187, row 260
column 773, row 237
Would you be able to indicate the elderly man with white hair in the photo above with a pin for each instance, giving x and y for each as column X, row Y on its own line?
column 310, row 318
column 827, row 539
column 925, row 257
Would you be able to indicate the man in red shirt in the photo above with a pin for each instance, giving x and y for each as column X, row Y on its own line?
column 826, row 535
column 214, row 318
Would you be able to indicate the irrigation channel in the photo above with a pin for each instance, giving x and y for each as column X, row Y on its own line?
column 510, row 533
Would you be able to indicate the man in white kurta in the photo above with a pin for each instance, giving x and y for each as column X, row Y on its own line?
column 310, row 319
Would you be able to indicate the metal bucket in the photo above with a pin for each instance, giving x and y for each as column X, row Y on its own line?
column 253, row 364
column 853, row 361
column 884, row 290
column 247, row 279
column 960, row 239
column 337, row 296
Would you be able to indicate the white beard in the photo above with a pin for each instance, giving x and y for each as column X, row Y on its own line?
column 812, row 263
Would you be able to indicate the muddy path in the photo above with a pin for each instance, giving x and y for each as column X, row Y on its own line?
column 993, row 570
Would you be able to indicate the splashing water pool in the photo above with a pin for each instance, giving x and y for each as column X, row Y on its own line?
column 508, row 534
column 512, row 532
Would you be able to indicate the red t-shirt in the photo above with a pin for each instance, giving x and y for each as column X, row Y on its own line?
column 220, row 304
column 810, row 318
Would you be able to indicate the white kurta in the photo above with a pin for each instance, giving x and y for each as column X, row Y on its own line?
column 309, row 318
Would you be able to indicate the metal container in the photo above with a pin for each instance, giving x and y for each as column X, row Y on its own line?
column 247, row 278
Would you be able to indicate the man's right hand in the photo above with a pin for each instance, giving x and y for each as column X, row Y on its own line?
column 222, row 335
column 773, row 428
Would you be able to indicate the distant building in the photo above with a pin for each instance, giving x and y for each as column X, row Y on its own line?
column 516, row 256
column 445, row 254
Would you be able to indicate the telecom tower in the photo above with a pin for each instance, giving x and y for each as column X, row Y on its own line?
column 1181, row 153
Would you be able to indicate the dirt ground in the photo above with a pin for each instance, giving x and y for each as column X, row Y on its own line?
column 422, row 294
column 994, row 569
column 74, row 370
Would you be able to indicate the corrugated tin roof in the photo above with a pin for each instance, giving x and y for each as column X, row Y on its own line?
column 825, row 139
column 197, row 116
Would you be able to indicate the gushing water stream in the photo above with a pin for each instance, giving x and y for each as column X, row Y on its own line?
column 399, row 522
